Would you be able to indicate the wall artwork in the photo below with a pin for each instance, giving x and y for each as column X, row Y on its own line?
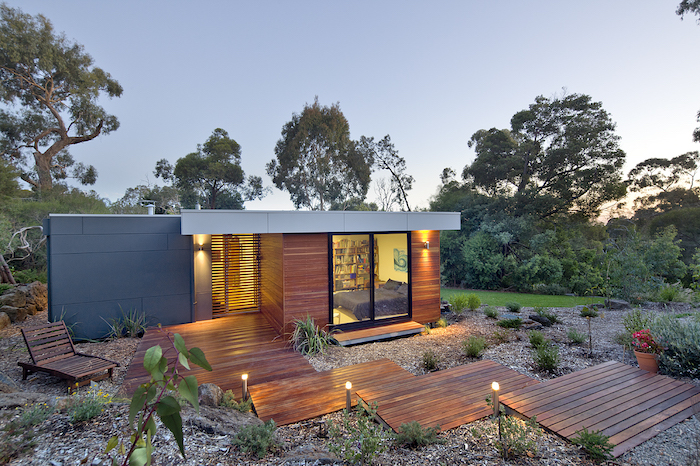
column 400, row 260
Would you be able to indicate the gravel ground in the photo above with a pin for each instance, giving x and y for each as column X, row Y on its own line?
column 59, row 442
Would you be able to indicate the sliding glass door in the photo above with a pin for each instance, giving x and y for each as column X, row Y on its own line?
column 369, row 277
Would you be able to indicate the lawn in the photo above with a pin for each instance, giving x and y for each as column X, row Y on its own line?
column 498, row 298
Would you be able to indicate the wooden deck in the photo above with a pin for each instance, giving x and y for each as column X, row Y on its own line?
column 623, row 402
column 233, row 346
column 446, row 398
column 384, row 332
column 304, row 397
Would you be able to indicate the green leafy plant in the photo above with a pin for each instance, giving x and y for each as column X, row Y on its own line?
column 459, row 302
column 491, row 312
column 536, row 338
column 309, row 339
column 359, row 441
column 544, row 312
column 17, row 436
column 413, row 435
column 636, row 320
column 257, row 439
column 132, row 324
column 512, row 306
column 88, row 406
column 512, row 436
column 510, row 323
column 500, row 336
column 594, row 443
column 575, row 337
column 442, row 322
column 4, row 287
column 546, row 357
column 473, row 302
column 681, row 340
column 152, row 398
column 474, row 346
column 430, row 361
column 229, row 401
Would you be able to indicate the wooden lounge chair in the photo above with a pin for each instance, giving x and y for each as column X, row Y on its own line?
column 51, row 349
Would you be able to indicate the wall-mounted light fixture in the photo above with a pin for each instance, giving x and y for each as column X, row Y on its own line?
column 200, row 247
column 348, row 400
column 494, row 390
column 427, row 245
column 244, row 377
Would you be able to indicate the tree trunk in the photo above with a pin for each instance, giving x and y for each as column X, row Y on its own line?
column 43, row 169
column 5, row 272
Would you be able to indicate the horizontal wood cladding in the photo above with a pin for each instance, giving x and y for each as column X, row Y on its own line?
column 305, row 278
column 425, row 276
column 272, row 277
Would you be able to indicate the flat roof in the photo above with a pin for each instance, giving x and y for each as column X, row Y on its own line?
column 216, row 222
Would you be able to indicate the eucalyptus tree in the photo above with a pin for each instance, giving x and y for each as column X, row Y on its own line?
column 384, row 156
column 316, row 161
column 49, row 94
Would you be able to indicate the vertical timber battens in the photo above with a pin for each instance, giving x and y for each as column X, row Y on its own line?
column 235, row 274
column 425, row 276
column 272, row 279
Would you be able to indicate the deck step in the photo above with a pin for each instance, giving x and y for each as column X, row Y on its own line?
column 385, row 332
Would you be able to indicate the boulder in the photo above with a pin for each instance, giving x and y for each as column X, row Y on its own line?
column 541, row 319
column 218, row 421
column 39, row 295
column 4, row 320
column 210, row 394
column 16, row 314
column 14, row 297
column 31, row 309
column 617, row 304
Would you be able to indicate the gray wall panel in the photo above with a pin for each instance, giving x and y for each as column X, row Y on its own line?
column 108, row 225
column 72, row 244
column 177, row 241
column 66, row 225
column 168, row 310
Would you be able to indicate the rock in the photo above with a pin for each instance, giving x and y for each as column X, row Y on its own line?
column 210, row 394
column 617, row 304
column 14, row 297
column 16, row 399
column 510, row 316
column 7, row 385
column 4, row 320
column 16, row 314
column 309, row 454
column 541, row 319
column 219, row 421
column 31, row 309
column 39, row 294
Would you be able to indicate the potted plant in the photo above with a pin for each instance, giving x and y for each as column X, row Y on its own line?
column 647, row 350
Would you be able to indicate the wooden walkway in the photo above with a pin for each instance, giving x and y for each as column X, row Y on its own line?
column 296, row 399
column 623, row 402
column 242, row 344
column 446, row 398
column 384, row 332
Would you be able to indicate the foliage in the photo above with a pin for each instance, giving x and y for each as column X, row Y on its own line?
column 510, row 323
column 384, row 156
column 131, row 325
column 491, row 312
column 513, row 306
column 515, row 437
column 644, row 342
column 560, row 155
column 636, row 320
column 152, row 398
column 671, row 293
column 257, row 439
column 88, row 406
column 18, row 435
column 430, row 361
column 30, row 276
column 359, row 441
column 473, row 302
column 681, row 339
column 309, row 339
column 4, row 287
column 474, row 346
column 546, row 357
column 575, row 337
column 317, row 162
column 544, row 312
column 442, row 322
column 50, row 92
column 413, row 435
column 528, row 300
column 166, row 200
column 500, row 336
column 690, row 6
column 536, row 338
column 459, row 303
column 596, row 444
column 588, row 312
column 229, row 401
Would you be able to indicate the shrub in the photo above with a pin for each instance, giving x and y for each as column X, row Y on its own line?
column 89, row 406
column 586, row 312
column 18, row 435
column 473, row 302
column 546, row 357
column 636, row 320
column 359, row 442
column 412, row 435
column 257, row 439
column 474, row 346
column 430, row 361
column 459, row 302
column 442, row 322
column 308, row 339
column 513, row 437
column 513, row 306
column 131, row 325
column 536, row 339
column 544, row 312
column 682, row 341
column 501, row 336
column 575, row 337
column 671, row 293
column 510, row 323
column 29, row 276
column 594, row 443
column 4, row 287
column 229, row 401
column 491, row 312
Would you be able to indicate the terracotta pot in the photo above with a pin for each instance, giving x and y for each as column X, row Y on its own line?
column 648, row 361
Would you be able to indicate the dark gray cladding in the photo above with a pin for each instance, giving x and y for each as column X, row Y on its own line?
column 103, row 265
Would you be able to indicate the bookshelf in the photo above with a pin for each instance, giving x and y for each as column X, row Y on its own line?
column 351, row 265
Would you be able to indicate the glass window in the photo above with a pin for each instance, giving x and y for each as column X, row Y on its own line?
column 391, row 275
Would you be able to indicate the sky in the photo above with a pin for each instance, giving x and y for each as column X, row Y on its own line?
column 429, row 74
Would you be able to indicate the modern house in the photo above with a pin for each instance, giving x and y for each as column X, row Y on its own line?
column 347, row 270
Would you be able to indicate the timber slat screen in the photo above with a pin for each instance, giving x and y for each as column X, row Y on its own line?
column 235, row 274
column 627, row 404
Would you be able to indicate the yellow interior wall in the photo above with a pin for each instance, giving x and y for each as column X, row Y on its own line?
column 386, row 245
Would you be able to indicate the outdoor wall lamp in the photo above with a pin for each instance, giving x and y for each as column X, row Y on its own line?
column 494, row 390
column 348, row 400
column 244, row 377
column 427, row 245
